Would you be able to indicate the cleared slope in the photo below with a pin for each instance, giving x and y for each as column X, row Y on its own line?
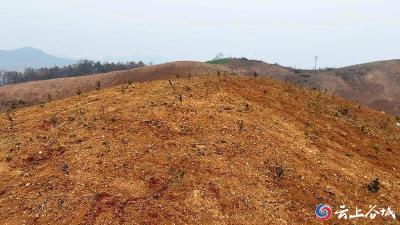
column 248, row 67
column 36, row 92
column 205, row 150
column 375, row 85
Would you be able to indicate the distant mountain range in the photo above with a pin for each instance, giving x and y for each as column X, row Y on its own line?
column 21, row 58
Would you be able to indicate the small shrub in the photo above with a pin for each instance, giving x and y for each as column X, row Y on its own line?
column 53, row 120
column 8, row 158
column 98, row 85
column 374, row 186
column 279, row 172
column 180, row 97
column 64, row 168
column 179, row 174
column 17, row 104
column 240, row 125
column 383, row 124
column 125, row 141
column 376, row 148
column 308, row 123
column 344, row 111
column 71, row 118
column 176, row 175
column 9, row 115
column 365, row 129
column 124, row 88
column 79, row 92
column 348, row 154
column 171, row 84
column 246, row 106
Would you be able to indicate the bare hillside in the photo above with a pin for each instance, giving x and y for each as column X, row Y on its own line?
column 204, row 150
column 36, row 92
column 256, row 68
column 376, row 85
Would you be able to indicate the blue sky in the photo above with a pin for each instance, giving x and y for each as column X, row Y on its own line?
column 288, row 32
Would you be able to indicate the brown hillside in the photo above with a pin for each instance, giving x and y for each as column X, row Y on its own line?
column 205, row 150
column 36, row 92
column 375, row 85
column 248, row 67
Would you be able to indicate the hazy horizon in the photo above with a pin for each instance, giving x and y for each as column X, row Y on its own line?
column 286, row 32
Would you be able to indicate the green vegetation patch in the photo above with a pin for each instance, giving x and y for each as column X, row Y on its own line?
column 219, row 61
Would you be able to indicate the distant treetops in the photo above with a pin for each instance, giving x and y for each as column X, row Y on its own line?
column 83, row 67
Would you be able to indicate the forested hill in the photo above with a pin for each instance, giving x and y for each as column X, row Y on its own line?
column 82, row 67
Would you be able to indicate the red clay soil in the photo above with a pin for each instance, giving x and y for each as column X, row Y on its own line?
column 36, row 92
column 204, row 150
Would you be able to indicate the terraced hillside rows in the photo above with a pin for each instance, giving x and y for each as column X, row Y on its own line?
column 203, row 150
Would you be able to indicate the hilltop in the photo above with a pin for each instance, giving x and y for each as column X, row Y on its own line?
column 253, row 67
column 21, row 58
column 373, row 84
column 37, row 92
column 200, row 150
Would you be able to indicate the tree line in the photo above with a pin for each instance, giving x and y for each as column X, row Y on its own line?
column 81, row 68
